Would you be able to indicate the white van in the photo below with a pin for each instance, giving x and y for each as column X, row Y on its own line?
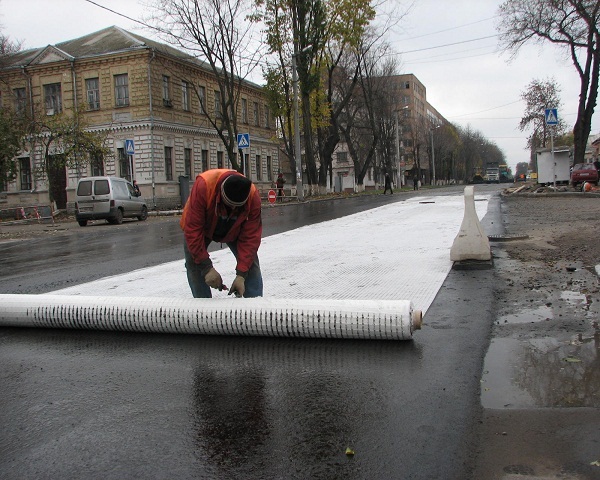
column 108, row 198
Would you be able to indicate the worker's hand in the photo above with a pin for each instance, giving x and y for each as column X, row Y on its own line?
column 238, row 287
column 213, row 278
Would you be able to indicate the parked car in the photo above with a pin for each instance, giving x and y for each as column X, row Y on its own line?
column 584, row 172
column 108, row 198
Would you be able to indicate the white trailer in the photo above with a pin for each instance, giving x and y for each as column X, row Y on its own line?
column 550, row 171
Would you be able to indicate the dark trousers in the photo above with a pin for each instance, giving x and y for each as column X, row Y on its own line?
column 253, row 284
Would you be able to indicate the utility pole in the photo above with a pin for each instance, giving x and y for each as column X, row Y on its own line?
column 297, row 151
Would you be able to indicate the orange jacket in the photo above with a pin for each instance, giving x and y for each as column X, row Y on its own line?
column 201, row 213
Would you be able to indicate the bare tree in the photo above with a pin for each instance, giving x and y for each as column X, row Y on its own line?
column 11, row 124
column 219, row 33
column 540, row 95
column 11, row 143
column 317, row 34
column 369, row 118
column 571, row 24
column 65, row 141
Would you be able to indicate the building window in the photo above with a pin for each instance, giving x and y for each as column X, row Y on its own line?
column 342, row 157
column 97, row 164
column 217, row 104
column 92, row 87
column 244, row 110
column 166, row 88
column 187, row 161
column 20, row 100
column 169, row 163
column 202, row 98
column 269, row 168
column 121, row 90
column 258, row 168
column 220, row 160
column 266, row 116
column 25, row 169
column 185, row 96
column 124, row 164
column 52, row 98
column 256, row 119
column 204, row 160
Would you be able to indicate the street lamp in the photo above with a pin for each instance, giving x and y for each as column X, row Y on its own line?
column 297, row 152
column 433, row 156
column 400, row 172
column 398, row 149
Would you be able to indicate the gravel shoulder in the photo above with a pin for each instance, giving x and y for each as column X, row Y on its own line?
column 541, row 380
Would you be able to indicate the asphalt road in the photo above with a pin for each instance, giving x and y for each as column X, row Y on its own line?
column 118, row 405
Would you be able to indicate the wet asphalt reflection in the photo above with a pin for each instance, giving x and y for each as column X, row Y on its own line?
column 115, row 405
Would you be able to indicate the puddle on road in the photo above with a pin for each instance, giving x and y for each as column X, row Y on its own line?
column 574, row 298
column 544, row 312
column 528, row 315
column 542, row 373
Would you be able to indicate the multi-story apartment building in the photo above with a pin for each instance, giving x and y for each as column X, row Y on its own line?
column 415, row 119
column 146, row 97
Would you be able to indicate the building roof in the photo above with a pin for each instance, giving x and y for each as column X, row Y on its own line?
column 110, row 40
column 103, row 42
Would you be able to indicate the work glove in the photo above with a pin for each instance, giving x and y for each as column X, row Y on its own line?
column 213, row 279
column 238, row 287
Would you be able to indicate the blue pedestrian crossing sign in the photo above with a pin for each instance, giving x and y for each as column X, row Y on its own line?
column 551, row 116
column 129, row 147
column 243, row 140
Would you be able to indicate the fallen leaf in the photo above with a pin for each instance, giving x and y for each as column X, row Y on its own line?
column 572, row 360
column 349, row 451
column 595, row 463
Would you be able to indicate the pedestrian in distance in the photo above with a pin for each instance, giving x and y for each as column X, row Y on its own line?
column 224, row 206
column 136, row 189
column 279, row 184
column 415, row 181
column 388, row 184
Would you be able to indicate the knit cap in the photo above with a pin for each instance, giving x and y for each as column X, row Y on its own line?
column 235, row 190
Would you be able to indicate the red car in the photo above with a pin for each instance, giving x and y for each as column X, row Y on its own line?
column 584, row 172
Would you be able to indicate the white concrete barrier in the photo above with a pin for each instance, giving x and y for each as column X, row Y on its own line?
column 471, row 243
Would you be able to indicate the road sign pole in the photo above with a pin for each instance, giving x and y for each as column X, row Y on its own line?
column 297, row 151
column 551, row 115
column 552, row 150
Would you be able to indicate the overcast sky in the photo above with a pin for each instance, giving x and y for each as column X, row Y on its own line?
column 469, row 82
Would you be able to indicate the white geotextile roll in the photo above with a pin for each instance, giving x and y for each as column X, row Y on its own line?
column 314, row 318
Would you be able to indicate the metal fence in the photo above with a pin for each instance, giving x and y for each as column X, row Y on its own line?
column 27, row 214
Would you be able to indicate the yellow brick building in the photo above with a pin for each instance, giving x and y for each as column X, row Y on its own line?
column 140, row 93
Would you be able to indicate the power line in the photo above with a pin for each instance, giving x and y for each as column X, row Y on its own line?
column 487, row 110
column 449, row 29
column 119, row 14
column 448, row 44
column 429, row 60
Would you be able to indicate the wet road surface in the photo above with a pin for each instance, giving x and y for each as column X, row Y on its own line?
column 120, row 405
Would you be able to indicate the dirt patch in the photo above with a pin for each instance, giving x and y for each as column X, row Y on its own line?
column 541, row 380
column 554, row 267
